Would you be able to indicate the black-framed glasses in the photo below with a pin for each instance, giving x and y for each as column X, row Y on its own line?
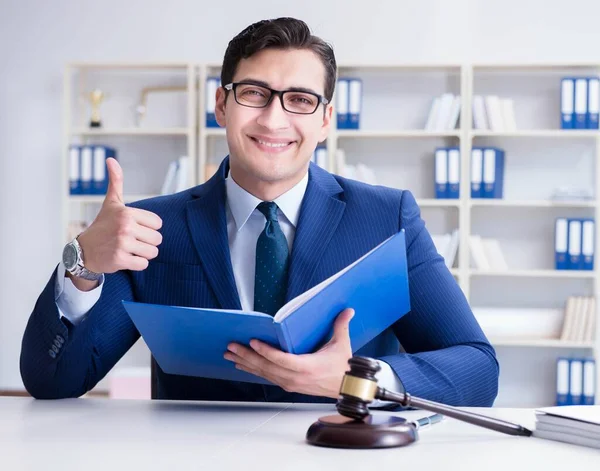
column 294, row 101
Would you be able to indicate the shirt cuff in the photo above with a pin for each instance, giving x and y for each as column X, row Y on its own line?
column 72, row 303
column 387, row 378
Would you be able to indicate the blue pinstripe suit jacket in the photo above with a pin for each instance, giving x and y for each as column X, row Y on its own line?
column 444, row 355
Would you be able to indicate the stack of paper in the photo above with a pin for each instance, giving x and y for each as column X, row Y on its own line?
column 579, row 425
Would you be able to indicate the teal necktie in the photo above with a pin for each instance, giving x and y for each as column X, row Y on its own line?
column 272, row 257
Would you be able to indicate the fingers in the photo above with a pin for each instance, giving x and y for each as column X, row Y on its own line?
column 146, row 235
column 146, row 218
column 142, row 249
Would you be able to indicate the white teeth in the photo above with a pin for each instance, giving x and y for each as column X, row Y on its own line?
column 271, row 144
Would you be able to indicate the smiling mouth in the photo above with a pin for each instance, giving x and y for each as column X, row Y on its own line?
column 272, row 145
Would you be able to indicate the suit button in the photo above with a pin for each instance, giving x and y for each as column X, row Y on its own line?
column 60, row 339
column 52, row 353
column 55, row 348
column 57, row 343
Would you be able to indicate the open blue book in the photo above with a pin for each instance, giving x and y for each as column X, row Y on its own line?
column 192, row 341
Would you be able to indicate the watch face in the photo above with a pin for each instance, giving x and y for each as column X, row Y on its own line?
column 69, row 257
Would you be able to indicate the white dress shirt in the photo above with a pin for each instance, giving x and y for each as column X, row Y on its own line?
column 244, row 225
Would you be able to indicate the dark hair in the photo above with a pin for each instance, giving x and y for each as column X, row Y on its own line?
column 279, row 33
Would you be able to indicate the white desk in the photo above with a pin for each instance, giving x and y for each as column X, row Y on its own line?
column 103, row 434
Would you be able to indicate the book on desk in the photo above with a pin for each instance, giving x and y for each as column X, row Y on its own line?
column 579, row 425
column 192, row 341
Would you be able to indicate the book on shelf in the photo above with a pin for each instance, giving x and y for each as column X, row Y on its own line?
column 349, row 102
column 487, row 172
column 447, row 246
column 574, row 243
column 359, row 172
column 486, row 254
column 579, row 323
column 444, row 113
column 494, row 113
column 176, row 178
column 579, row 425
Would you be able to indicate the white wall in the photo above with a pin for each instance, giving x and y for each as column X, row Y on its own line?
column 37, row 38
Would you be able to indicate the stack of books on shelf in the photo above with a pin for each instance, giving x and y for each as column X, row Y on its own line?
column 575, row 381
column 447, row 246
column 348, row 102
column 494, row 113
column 486, row 254
column 574, row 243
column 319, row 157
column 579, row 323
column 579, row 425
column 487, row 172
column 444, row 113
column 359, row 172
column 579, row 102
column 176, row 179
column 88, row 174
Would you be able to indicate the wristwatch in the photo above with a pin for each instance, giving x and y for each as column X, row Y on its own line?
column 72, row 258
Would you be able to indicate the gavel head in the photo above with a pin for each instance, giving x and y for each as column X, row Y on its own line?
column 358, row 389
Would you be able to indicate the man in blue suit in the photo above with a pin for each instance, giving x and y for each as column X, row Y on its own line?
column 266, row 227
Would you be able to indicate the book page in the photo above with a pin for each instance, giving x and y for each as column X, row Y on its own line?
column 299, row 300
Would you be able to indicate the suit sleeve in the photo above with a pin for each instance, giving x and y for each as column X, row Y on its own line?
column 60, row 359
column 447, row 357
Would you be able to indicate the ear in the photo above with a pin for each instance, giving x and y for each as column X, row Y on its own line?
column 220, row 107
column 326, row 123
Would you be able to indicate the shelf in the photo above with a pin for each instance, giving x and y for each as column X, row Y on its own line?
column 532, row 203
column 131, row 132
column 435, row 203
column 551, row 133
column 129, row 65
column 548, row 343
column 535, row 273
column 413, row 133
column 98, row 199
column 214, row 131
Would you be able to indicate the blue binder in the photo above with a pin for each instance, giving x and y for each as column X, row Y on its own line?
column 441, row 172
column 100, row 169
column 574, row 259
column 74, row 170
column 575, row 397
column 493, row 173
column 192, row 341
column 354, row 103
column 86, row 168
column 453, row 154
column 561, row 244
column 567, row 102
column 562, row 381
column 342, row 98
column 476, row 172
column 581, row 100
column 212, row 83
column 587, row 243
column 593, row 102
column 589, row 381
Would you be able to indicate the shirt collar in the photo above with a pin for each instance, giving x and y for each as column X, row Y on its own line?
column 242, row 204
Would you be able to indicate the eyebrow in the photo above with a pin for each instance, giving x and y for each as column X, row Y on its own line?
column 262, row 83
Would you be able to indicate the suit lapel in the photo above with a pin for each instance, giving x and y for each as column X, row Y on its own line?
column 208, row 228
column 320, row 215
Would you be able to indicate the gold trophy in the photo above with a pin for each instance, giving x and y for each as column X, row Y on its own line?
column 96, row 97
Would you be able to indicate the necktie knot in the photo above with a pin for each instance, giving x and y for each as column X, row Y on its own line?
column 269, row 209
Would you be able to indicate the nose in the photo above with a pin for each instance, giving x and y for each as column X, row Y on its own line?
column 274, row 117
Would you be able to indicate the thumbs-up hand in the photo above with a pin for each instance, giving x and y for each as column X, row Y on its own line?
column 120, row 238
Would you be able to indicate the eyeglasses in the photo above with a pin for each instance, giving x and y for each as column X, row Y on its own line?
column 294, row 101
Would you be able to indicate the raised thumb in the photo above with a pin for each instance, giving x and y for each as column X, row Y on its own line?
column 114, row 194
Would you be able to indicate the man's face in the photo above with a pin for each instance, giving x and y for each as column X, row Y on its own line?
column 270, row 148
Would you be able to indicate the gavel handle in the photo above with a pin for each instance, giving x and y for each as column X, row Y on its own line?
column 491, row 423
